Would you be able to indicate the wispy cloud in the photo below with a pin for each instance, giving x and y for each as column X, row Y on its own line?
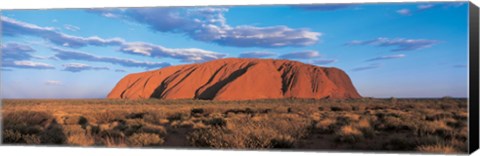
column 387, row 57
column 455, row 4
column 425, row 6
column 368, row 67
column 301, row 55
column 27, row 65
column 257, row 54
column 324, row 61
column 53, row 83
column 78, row 67
column 428, row 6
column 15, row 55
column 401, row 44
column 63, row 54
column 13, row 27
column 16, row 51
column 120, row 70
column 209, row 25
column 109, row 15
column 404, row 12
column 71, row 27
column 324, row 7
column 186, row 55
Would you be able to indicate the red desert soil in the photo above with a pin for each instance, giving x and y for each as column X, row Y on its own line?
column 237, row 79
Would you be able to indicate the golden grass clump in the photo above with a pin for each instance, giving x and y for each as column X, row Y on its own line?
column 349, row 134
column 363, row 123
column 155, row 129
column 326, row 125
column 144, row 139
column 81, row 140
column 437, row 148
column 113, row 141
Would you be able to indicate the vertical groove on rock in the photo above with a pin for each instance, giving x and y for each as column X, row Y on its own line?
column 209, row 81
column 211, row 91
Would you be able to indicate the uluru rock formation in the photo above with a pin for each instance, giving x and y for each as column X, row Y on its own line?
column 237, row 79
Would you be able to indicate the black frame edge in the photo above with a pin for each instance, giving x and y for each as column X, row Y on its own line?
column 474, row 79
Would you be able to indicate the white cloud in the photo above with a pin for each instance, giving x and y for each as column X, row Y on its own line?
column 387, row 57
column 13, row 27
column 63, row 54
column 324, row 61
column 368, row 67
column 53, row 83
column 404, row 12
column 425, row 6
column 78, row 67
column 401, row 44
column 301, row 55
column 210, row 25
column 185, row 54
column 27, row 65
column 71, row 27
column 257, row 54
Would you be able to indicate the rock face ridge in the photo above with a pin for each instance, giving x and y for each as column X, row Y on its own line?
column 237, row 79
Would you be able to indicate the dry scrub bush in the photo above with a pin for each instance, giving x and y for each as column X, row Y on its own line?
column 437, row 148
column 155, row 129
column 363, row 124
column 366, row 128
column 352, row 117
column 216, row 122
column 81, row 140
column 214, row 137
column 26, row 122
column 199, row 125
column 144, row 139
column 76, row 135
column 326, row 126
column 73, row 120
column 394, row 124
column 107, row 116
column 72, row 129
column 113, row 141
column 439, row 128
column 31, row 139
column 53, row 135
column 177, row 116
column 278, row 131
column 349, row 134
column 398, row 142
column 31, row 127
column 154, row 117
column 283, row 141
column 10, row 136
column 25, row 118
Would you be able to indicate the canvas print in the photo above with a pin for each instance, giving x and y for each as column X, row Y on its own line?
column 378, row 77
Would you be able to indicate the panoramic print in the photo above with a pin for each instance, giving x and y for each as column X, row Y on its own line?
column 380, row 77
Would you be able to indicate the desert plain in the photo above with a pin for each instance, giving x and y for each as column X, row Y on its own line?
column 390, row 124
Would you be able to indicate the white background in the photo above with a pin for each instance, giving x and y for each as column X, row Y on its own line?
column 77, row 151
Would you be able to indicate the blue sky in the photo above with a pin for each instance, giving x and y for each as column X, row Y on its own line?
column 387, row 49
